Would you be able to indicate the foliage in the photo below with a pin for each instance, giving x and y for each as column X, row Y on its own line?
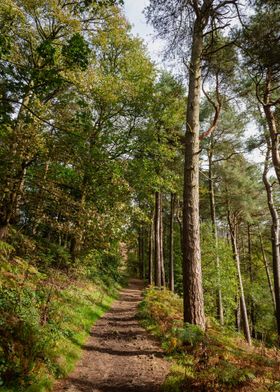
column 228, row 279
column 76, row 52
column 215, row 360
column 38, row 344
column 90, row 130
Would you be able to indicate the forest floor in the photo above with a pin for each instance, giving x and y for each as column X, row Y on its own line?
column 120, row 356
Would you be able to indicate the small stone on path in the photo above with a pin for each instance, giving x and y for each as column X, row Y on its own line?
column 120, row 355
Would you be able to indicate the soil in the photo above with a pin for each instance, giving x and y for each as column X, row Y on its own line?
column 120, row 356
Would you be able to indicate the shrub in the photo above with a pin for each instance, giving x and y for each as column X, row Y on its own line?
column 215, row 360
column 25, row 343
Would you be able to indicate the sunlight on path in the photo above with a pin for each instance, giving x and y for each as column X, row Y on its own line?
column 120, row 356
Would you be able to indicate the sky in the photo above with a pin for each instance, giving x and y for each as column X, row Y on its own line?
column 134, row 12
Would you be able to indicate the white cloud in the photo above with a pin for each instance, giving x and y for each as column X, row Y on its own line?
column 134, row 12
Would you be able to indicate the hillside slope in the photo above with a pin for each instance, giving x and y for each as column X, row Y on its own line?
column 219, row 360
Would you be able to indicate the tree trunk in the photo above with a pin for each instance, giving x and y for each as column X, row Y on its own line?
column 143, row 236
column 251, row 275
column 162, row 267
column 274, row 136
column 266, row 266
column 275, row 227
column 74, row 248
column 192, row 274
column 171, row 242
column 233, row 234
column 4, row 228
column 39, row 200
column 237, row 314
column 77, row 240
column 272, row 126
column 10, row 209
column 157, row 240
column 151, row 248
column 141, row 251
column 178, row 218
column 10, row 205
column 140, row 263
column 220, row 309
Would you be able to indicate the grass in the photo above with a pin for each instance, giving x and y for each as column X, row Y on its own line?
column 75, row 309
column 217, row 360
column 85, row 306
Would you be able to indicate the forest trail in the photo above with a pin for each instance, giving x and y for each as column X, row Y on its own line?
column 120, row 355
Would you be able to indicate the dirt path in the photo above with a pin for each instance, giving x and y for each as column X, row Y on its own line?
column 119, row 356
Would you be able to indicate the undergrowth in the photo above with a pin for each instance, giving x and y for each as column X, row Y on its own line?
column 46, row 316
column 215, row 360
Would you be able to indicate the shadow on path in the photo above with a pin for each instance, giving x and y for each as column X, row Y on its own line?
column 119, row 356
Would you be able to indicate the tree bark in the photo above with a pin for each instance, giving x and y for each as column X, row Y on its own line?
column 171, row 242
column 233, row 234
column 275, row 240
column 237, row 314
column 157, row 240
column 10, row 205
column 10, row 209
column 192, row 274
column 269, row 281
column 162, row 267
column 77, row 240
column 139, row 249
column 272, row 126
column 151, row 248
column 143, row 236
column 39, row 200
column 220, row 309
column 251, row 275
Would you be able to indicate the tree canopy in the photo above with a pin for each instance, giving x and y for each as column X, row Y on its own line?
column 110, row 165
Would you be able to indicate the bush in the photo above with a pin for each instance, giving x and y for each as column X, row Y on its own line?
column 215, row 360
column 38, row 342
column 53, row 255
column 103, row 266
column 25, row 343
